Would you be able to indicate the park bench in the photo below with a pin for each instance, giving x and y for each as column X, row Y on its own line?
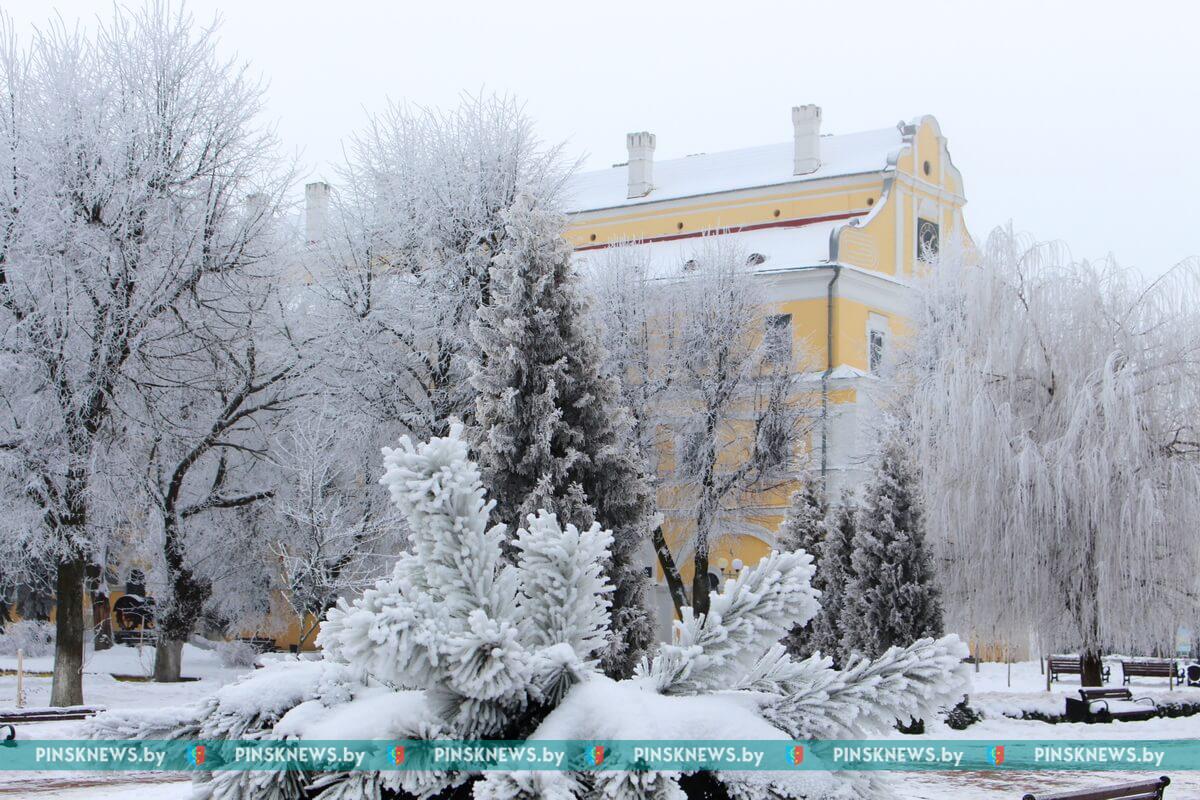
column 1149, row 668
column 52, row 714
column 136, row 636
column 1069, row 665
column 261, row 644
column 1139, row 790
column 1106, row 705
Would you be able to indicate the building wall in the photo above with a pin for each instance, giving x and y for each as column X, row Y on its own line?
column 877, row 249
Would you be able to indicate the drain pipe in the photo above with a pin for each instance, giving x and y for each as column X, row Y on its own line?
column 829, row 363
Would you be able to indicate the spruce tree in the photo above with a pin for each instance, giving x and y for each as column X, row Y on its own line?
column 552, row 433
column 828, row 629
column 892, row 598
column 804, row 529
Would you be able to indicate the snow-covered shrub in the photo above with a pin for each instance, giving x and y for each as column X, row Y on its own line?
column 962, row 716
column 32, row 637
column 236, row 654
column 459, row 643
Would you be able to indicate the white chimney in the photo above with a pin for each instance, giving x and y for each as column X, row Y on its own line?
column 806, row 120
column 257, row 206
column 316, row 210
column 641, row 163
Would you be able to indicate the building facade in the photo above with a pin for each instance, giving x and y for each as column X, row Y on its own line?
column 836, row 226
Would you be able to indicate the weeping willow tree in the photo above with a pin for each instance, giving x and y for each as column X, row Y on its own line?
column 1054, row 412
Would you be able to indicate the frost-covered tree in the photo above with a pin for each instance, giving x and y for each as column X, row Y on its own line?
column 128, row 151
column 627, row 306
column 458, row 643
column 405, row 265
column 329, row 537
column 1054, row 412
column 828, row 631
column 735, row 404
column 892, row 597
column 804, row 529
column 215, row 390
column 707, row 371
column 552, row 433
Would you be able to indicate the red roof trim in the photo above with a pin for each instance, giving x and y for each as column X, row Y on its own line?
column 787, row 223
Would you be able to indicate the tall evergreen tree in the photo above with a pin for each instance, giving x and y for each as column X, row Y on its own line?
column 828, row 627
column 804, row 529
column 892, row 598
column 552, row 433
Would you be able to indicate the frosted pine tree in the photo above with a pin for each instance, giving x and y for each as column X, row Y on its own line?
column 892, row 598
column 553, row 434
column 460, row 644
column 829, row 626
column 804, row 529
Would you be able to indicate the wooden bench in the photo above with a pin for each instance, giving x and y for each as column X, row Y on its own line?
column 261, row 644
column 135, row 636
column 1140, row 790
column 53, row 714
column 1106, row 705
column 1149, row 668
column 1069, row 665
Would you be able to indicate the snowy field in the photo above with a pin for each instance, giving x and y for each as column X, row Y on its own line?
column 990, row 692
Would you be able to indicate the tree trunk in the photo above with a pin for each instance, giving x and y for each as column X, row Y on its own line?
column 700, row 582
column 700, row 588
column 66, row 688
column 670, row 570
column 102, row 634
column 1093, row 669
column 184, row 604
column 168, row 660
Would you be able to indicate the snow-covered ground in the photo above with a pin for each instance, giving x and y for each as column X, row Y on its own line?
column 101, row 689
column 990, row 691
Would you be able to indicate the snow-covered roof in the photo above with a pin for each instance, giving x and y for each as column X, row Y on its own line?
column 781, row 248
column 707, row 173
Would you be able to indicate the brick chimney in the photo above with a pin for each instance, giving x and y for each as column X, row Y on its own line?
column 641, row 163
column 806, row 122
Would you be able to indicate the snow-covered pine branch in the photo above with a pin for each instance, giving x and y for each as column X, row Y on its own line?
column 564, row 598
column 867, row 696
column 455, row 619
column 751, row 613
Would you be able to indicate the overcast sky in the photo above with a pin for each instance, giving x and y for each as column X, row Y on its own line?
column 1076, row 120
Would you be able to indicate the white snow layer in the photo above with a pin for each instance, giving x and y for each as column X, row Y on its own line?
column 705, row 173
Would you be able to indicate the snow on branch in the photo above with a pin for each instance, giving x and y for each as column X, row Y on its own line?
column 750, row 614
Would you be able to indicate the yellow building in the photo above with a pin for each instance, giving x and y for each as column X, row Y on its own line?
column 836, row 225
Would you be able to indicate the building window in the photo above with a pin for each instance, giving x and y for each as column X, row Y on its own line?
column 875, row 352
column 777, row 338
column 927, row 240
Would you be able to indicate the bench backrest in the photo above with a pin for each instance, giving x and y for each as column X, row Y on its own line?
column 1065, row 663
column 1148, row 668
column 1141, row 790
column 1105, row 694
